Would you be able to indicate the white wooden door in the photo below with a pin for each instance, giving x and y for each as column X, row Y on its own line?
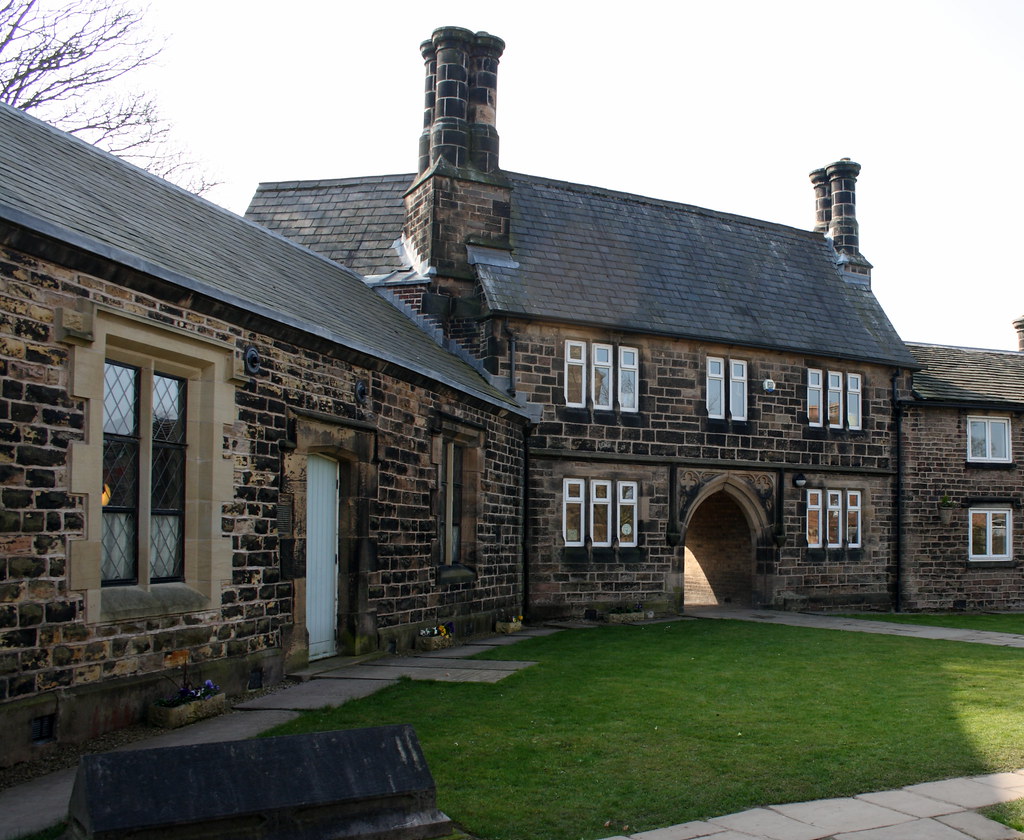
column 322, row 556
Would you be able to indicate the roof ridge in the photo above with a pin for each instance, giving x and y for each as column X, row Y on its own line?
column 320, row 183
column 932, row 345
column 637, row 198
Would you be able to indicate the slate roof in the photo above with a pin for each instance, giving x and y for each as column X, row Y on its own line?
column 624, row 262
column 354, row 221
column 68, row 190
column 967, row 375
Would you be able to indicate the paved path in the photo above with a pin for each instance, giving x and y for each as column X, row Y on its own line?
column 942, row 810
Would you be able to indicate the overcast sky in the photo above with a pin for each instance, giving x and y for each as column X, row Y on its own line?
column 726, row 105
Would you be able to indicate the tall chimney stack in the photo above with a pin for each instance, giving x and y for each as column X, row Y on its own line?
column 460, row 98
column 1018, row 325
column 835, row 210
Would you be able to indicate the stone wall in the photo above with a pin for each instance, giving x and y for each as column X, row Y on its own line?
column 683, row 460
column 92, row 655
column 937, row 572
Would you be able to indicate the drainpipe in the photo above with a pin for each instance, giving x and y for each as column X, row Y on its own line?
column 527, row 429
column 897, row 414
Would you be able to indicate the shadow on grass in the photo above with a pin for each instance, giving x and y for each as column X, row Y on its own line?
column 665, row 723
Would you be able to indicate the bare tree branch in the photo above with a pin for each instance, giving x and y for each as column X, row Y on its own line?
column 59, row 62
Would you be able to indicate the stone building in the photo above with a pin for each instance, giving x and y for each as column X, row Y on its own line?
column 218, row 450
column 962, row 485
column 713, row 396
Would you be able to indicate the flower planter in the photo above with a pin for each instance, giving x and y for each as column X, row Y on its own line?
column 945, row 515
column 625, row 618
column 508, row 626
column 434, row 642
column 171, row 717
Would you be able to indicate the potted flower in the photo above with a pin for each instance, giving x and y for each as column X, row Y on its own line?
column 189, row 704
column 437, row 637
column 626, row 613
column 946, row 508
column 509, row 624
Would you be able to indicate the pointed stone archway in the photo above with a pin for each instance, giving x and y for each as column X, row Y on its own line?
column 727, row 528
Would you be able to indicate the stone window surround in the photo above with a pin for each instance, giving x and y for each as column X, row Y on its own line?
column 989, row 422
column 96, row 332
column 844, row 503
column 989, row 511
column 587, row 361
column 449, row 430
column 731, row 381
column 848, row 389
column 585, row 498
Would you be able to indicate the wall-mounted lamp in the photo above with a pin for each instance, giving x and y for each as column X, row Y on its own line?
column 799, row 480
column 251, row 358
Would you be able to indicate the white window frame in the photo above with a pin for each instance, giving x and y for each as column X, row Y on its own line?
column 989, row 515
column 581, row 363
column 629, row 402
column 814, row 508
column 574, row 493
column 815, row 397
column 833, row 508
column 627, row 492
column 854, row 400
column 597, row 502
column 601, row 359
column 854, row 519
column 716, row 383
column 737, row 389
column 834, row 396
column 989, row 424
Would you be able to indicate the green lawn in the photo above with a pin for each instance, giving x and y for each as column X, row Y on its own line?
column 660, row 724
column 997, row 622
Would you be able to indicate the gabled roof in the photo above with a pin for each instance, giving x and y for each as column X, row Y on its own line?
column 590, row 256
column 967, row 375
column 72, row 192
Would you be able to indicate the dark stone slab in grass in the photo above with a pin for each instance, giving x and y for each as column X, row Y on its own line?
column 362, row 783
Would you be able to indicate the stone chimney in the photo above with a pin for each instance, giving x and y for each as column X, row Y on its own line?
column 458, row 208
column 460, row 99
column 835, row 197
column 1018, row 325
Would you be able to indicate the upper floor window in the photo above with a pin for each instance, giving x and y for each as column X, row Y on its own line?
column 835, row 395
column 990, row 535
column 726, row 388
column 590, row 372
column 143, row 493
column 988, row 439
column 607, row 514
column 834, row 518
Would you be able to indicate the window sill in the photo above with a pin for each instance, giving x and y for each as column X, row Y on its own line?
column 992, row 564
column 455, row 573
column 990, row 465
column 119, row 603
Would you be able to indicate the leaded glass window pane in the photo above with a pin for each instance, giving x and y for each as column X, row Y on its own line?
column 165, row 547
column 120, row 492
column 118, row 562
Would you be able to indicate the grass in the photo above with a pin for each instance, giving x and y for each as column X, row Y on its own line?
column 1008, row 813
column 996, row 622
column 660, row 724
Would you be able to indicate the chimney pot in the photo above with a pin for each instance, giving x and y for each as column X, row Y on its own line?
column 1019, row 326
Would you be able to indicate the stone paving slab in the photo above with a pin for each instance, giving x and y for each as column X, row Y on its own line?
column 910, row 803
column 966, row 793
column 916, row 830
column 979, row 827
column 315, row 694
column 841, row 815
column 375, row 673
column 683, row 831
column 441, row 662
column 764, row 822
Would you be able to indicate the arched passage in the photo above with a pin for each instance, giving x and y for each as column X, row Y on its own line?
column 721, row 549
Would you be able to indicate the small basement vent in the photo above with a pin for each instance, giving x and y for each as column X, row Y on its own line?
column 285, row 508
column 44, row 729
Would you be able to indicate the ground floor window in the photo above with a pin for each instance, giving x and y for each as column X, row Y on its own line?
column 834, row 519
column 604, row 513
column 990, row 535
